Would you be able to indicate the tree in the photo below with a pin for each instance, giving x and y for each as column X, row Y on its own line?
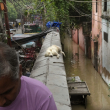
column 81, row 9
column 59, row 10
column 64, row 11
column 12, row 14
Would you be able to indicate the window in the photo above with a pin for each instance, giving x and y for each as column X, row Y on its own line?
column 106, row 36
column 105, row 5
column 96, row 6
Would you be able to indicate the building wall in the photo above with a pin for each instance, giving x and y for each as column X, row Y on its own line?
column 106, row 45
column 97, row 33
column 81, row 39
column 75, row 35
column 99, row 26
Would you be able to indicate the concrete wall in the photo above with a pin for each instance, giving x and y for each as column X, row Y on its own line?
column 51, row 72
column 106, row 46
column 108, row 8
column 106, row 54
column 97, row 33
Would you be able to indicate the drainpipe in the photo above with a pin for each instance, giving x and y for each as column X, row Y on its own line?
column 7, row 24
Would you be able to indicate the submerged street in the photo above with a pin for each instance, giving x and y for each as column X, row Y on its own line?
column 38, row 31
column 77, row 64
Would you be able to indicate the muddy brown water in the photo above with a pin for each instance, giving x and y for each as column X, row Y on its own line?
column 76, row 64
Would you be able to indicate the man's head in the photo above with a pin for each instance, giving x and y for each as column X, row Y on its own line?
column 10, row 73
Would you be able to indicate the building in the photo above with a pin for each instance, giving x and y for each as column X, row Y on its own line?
column 81, row 36
column 106, row 41
column 96, row 40
column 97, row 45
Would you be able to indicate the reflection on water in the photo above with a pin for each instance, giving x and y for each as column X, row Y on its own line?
column 77, row 64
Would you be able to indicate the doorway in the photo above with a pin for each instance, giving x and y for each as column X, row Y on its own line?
column 88, row 46
column 96, row 55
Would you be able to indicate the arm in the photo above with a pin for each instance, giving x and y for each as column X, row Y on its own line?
column 49, row 104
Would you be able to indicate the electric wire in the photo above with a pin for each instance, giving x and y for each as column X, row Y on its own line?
column 25, row 5
column 21, row 7
column 88, row 1
column 15, row 6
column 88, row 15
column 83, row 14
column 97, row 20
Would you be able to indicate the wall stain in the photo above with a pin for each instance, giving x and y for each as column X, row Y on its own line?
column 106, row 72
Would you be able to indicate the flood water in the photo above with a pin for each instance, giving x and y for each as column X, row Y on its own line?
column 76, row 64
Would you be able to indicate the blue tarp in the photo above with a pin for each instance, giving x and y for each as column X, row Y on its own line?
column 49, row 24
column 53, row 24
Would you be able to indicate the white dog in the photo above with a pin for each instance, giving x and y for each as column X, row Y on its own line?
column 54, row 50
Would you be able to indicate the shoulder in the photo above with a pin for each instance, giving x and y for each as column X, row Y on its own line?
column 35, row 85
column 35, row 91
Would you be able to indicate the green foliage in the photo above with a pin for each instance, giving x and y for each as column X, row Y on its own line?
column 82, row 9
column 73, row 79
column 59, row 10
column 64, row 11
column 26, row 12
column 12, row 14
column 19, row 7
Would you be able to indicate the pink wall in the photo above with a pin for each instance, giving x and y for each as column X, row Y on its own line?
column 75, row 35
column 96, row 30
column 81, row 39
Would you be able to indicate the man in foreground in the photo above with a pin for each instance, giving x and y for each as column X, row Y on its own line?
column 18, row 92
